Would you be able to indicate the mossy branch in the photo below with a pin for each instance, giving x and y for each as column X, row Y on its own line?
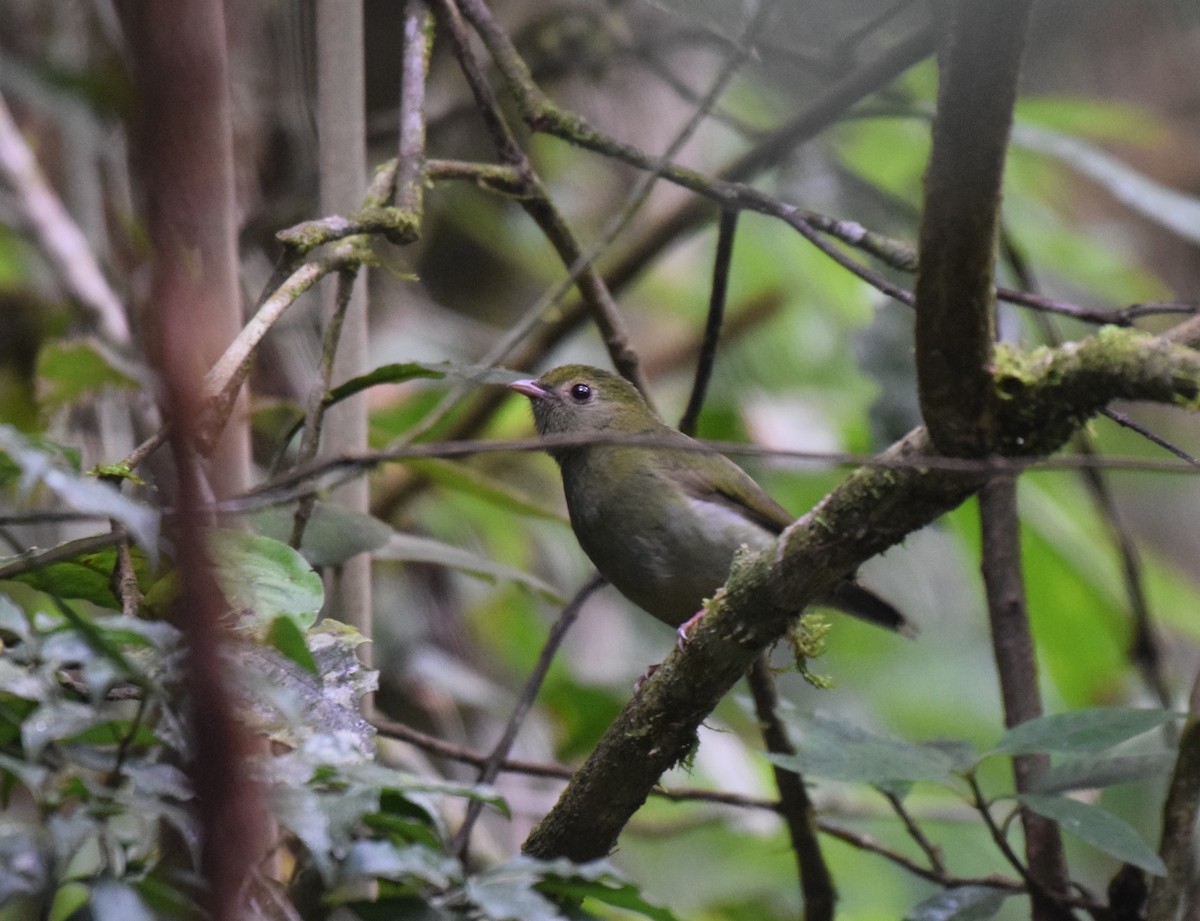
column 1040, row 399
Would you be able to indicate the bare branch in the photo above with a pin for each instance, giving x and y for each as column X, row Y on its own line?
column 61, row 239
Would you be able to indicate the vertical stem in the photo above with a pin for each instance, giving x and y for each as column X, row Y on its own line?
column 341, row 126
column 1169, row 894
column 816, row 882
column 414, row 68
column 960, row 218
column 184, row 149
column 184, row 152
column 1012, row 645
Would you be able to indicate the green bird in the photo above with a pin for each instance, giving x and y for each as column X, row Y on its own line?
column 661, row 525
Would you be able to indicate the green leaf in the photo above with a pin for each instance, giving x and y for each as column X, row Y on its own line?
column 87, row 576
column 1099, row 828
column 113, row 900
column 962, row 903
column 473, row 482
column 333, row 534
column 507, row 893
column 1104, row 771
column 836, row 750
column 70, row 898
column 24, row 865
column 619, row 895
column 1171, row 209
column 412, row 370
column 23, row 682
column 301, row 810
column 594, row 880
column 70, row 369
column 80, row 493
column 60, row 719
column 409, row 548
column 263, row 578
column 32, row 776
column 406, row 371
column 386, row 860
column 1090, row 117
column 1089, row 730
column 285, row 636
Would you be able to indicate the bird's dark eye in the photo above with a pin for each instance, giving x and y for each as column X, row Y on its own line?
column 581, row 393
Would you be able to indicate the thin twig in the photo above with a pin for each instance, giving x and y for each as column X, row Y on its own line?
column 816, row 882
column 495, row 762
column 932, row 852
column 441, row 748
column 314, row 414
column 726, row 231
column 1012, row 646
column 225, row 378
column 983, row 807
column 1126, row 422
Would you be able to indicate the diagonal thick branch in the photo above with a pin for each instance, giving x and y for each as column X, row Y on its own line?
column 1042, row 398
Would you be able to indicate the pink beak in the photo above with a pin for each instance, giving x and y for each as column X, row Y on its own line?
column 530, row 388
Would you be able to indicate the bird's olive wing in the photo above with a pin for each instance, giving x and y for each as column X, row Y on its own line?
column 712, row 477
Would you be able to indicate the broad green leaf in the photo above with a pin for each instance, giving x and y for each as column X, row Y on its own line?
column 836, row 750
column 87, row 576
column 1090, row 730
column 1094, row 118
column 166, row 899
column 1169, row 208
column 285, row 636
column 31, row 775
column 473, row 482
column 80, row 493
column 69, row 899
column 962, row 903
column 507, row 893
column 158, row 780
column 59, row 719
column 1099, row 828
column 412, row 370
column 386, row 860
column 594, row 880
column 24, row 682
column 264, row 578
column 13, row 619
column 23, row 864
column 332, row 536
column 299, row 809
column 1103, row 771
column 69, row 369
column 114, row 900
column 410, row 548
column 619, row 895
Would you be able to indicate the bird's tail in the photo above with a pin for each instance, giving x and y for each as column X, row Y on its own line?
column 864, row 604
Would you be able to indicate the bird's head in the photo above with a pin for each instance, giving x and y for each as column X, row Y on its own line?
column 576, row 399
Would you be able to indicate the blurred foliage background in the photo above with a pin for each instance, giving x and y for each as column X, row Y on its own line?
column 1100, row 210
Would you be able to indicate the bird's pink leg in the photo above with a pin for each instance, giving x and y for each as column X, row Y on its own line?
column 685, row 628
